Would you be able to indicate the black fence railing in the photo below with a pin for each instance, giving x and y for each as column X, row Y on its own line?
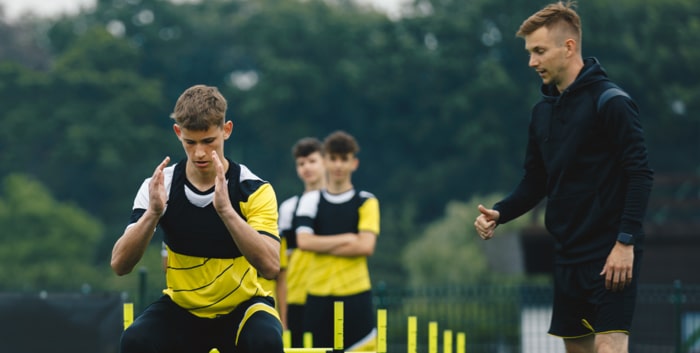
column 515, row 318
column 505, row 318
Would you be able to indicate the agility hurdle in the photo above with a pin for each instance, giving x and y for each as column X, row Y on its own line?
column 381, row 341
column 338, row 334
column 128, row 314
column 447, row 341
column 447, row 338
column 338, row 327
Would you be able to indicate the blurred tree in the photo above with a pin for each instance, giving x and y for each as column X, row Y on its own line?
column 22, row 42
column 656, row 63
column 439, row 99
column 86, row 121
column 449, row 251
column 449, row 240
column 45, row 244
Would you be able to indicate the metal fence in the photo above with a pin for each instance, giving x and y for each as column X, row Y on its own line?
column 515, row 318
column 60, row 322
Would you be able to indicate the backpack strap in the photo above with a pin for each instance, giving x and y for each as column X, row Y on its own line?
column 609, row 93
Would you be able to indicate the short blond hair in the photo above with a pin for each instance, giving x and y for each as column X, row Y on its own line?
column 560, row 15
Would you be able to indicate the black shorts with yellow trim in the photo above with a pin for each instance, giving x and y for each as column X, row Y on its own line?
column 166, row 327
column 583, row 306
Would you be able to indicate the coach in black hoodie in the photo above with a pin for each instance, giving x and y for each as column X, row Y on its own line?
column 586, row 154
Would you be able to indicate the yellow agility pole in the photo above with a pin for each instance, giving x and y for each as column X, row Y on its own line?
column 432, row 337
column 337, row 339
column 287, row 339
column 338, row 343
column 461, row 342
column 412, row 332
column 338, row 326
column 308, row 340
column 447, row 341
column 381, row 331
column 128, row 314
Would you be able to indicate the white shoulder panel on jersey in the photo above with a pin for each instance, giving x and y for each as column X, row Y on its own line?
column 308, row 204
column 142, row 196
column 246, row 174
column 366, row 195
column 286, row 213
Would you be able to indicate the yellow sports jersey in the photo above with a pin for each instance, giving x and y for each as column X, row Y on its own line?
column 209, row 287
column 284, row 258
column 268, row 285
column 324, row 214
column 299, row 262
column 206, row 273
column 296, row 260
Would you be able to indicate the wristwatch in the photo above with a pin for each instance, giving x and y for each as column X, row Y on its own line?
column 625, row 238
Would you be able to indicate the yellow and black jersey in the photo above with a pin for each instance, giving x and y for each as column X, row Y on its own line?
column 299, row 261
column 296, row 260
column 324, row 214
column 286, row 229
column 206, row 272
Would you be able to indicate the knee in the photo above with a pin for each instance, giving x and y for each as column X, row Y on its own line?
column 611, row 343
column 261, row 334
column 585, row 344
column 133, row 340
column 260, row 342
column 264, row 343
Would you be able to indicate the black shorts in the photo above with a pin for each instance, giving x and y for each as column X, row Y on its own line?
column 583, row 306
column 295, row 320
column 358, row 319
column 166, row 327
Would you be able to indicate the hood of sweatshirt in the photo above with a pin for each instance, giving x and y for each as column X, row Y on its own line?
column 592, row 72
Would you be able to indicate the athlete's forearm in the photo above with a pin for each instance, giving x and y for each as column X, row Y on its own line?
column 281, row 296
column 263, row 252
column 323, row 243
column 362, row 245
column 130, row 247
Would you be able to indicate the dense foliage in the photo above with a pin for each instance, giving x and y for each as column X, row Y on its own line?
column 438, row 100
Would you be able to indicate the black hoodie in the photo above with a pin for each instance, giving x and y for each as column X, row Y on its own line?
column 591, row 165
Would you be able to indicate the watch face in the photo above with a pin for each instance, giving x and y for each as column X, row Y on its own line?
column 626, row 239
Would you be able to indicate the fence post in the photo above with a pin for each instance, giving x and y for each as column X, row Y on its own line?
column 677, row 299
column 142, row 288
column 380, row 294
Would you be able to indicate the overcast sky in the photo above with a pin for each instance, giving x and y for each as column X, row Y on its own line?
column 14, row 8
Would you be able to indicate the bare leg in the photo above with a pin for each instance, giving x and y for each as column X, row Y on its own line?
column 613, row 342
column 585, row 344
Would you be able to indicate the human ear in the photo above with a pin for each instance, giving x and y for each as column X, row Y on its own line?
column 571, row 46
column 228, row 128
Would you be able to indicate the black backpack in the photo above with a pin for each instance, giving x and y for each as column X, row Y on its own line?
column 608, row 93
